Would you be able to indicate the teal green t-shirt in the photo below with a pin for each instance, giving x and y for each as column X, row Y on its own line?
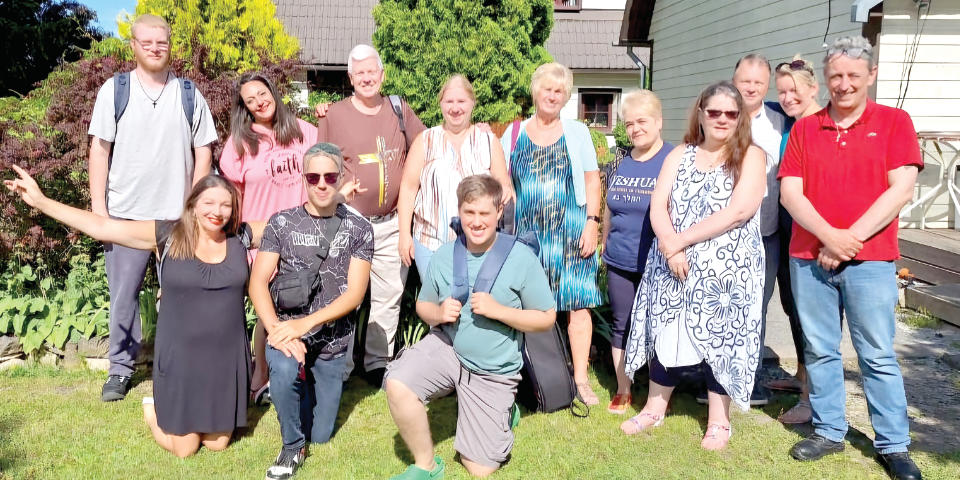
column 482, row 344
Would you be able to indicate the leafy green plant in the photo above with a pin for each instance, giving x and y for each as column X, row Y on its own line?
column 621, row 137
column 411, row 327
column 497, row 45
column 600, row 144
column 919, row 318
column 313, row 98
column 39, row 309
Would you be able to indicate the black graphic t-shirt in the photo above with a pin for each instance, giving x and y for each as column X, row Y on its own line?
column 295, row 235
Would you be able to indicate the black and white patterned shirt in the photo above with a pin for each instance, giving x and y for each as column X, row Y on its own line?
column 295, row 235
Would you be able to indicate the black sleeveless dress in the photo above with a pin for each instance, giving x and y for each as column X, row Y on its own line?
column 201, row 353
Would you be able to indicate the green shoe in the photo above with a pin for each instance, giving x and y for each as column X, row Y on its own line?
column 414, row 472
column 514, row 416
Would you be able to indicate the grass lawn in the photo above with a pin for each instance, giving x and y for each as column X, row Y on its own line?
column 53, row 425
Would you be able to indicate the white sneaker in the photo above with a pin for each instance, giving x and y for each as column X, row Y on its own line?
column 286, row 465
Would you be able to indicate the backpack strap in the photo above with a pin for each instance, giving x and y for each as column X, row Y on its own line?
column 121, row 94
column 514, row 134
column 397, row 103
column 188, row 96
column 329, row 231
column 492, row 264
column 121, row 97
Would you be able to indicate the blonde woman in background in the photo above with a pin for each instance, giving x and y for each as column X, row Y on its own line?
column 627, row 233
column 797, row 92
column 554, row 169
column 438, row 159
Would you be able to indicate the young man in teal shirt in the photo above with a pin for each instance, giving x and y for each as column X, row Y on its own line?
column 473, row 348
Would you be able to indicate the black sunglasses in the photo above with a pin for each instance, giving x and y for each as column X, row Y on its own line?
column 329, row 178
column 715, row 114
column 796, row 66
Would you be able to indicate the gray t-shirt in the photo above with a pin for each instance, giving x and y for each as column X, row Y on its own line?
column 151, row 163
column 767, row 131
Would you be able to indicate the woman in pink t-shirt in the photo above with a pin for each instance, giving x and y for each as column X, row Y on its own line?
column 264, row 157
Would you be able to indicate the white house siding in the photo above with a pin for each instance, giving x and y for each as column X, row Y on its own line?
column 625, row 81
column 697, row 42
column 933, row 95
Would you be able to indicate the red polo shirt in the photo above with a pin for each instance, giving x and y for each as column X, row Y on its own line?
column 844, row 171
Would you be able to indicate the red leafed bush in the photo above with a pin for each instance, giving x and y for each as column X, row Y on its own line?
column 55, row 151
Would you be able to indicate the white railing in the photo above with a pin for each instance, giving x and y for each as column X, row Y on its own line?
column 943, row 150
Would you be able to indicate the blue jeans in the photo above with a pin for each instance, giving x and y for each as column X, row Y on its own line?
column 422, row 255
column 867, row 293
column 305, row 406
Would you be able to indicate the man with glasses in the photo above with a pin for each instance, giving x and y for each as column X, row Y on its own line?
column 142, row 167
column 375, row 135
column 325, row 248
column 847, row 171
column 751, row 76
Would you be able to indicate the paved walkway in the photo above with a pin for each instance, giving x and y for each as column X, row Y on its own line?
column 932, row 386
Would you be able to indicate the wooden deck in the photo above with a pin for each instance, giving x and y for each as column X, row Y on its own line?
column 933, row 256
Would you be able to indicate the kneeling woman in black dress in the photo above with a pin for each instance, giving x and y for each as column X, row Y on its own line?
column 200, row 369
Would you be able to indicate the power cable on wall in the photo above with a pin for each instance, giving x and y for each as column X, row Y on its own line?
column 829, row 17
column 910, row 56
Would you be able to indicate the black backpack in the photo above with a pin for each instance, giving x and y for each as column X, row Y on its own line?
column 547, row 384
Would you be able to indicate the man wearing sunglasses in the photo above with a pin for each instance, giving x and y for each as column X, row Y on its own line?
column 375, row 133
column 145, row 155
column 847, row 171
column 327, row 246
column 751, row 76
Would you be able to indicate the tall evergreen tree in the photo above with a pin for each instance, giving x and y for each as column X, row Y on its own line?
column 38, row 35
column 496, row 44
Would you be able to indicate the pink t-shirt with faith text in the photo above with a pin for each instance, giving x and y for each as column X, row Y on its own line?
column 272, row 180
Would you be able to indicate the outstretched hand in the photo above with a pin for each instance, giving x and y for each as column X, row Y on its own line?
column 26, row 187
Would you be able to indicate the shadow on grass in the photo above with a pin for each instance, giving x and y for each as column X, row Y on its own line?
column 442, row 415
column 8, row 457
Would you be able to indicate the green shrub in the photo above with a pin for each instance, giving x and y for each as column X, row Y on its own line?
column 621, row 137
column 40, row 308
column 497, row 45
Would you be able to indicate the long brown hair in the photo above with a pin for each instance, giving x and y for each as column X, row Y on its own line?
column 736, row 146
column 285, row 126
column 183, row 237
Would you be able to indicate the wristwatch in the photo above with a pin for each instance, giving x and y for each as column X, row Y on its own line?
column 594, row 218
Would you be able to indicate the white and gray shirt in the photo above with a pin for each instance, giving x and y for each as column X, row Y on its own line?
column 151, row 162
column 767, row 129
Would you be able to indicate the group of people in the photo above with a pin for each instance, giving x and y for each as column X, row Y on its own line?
column 305, row 220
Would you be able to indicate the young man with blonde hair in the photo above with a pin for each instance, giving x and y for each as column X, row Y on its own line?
column 145, row 155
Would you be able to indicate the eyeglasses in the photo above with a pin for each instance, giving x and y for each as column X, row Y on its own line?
column 328, row 178
column 715, row 114
column 796, row 66
column 162, row 46
column 852, row 52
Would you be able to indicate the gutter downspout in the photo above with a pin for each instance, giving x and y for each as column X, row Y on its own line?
column 644, row 69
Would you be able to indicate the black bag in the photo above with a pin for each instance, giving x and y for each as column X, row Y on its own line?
column 547, row 384
column 295, row 290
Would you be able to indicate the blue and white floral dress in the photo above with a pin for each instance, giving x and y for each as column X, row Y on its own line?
column 714, row 315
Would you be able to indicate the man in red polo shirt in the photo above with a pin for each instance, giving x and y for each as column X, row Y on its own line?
column 846, row 173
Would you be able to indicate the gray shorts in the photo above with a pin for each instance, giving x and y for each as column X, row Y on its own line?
column 432, row 370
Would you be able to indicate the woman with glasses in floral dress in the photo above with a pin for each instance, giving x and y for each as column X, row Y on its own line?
column 699, row 302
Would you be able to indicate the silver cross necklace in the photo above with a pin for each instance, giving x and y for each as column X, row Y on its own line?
column 154, row 100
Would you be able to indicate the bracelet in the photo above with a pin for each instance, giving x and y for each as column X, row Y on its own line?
column 594, row 218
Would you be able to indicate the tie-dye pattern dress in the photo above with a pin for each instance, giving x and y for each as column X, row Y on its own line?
column 546, row 205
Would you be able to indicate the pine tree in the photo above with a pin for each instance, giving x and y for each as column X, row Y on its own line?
column 497, row 45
